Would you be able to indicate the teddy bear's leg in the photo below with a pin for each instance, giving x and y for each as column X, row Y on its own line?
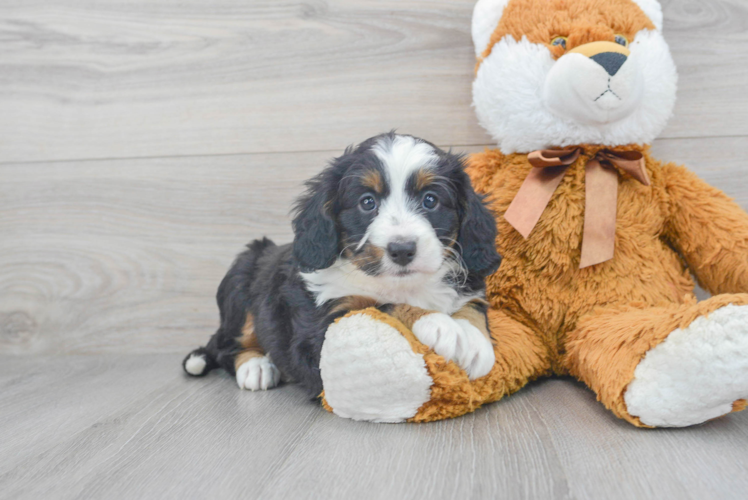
column 666, row 366
column 373, row 368
column 520, row 357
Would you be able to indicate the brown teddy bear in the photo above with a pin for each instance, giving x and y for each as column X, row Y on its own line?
column 599, row 239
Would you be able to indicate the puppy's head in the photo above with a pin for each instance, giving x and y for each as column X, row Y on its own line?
column 395, row 206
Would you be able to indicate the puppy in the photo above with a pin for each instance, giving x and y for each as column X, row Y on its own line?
column 393, row 223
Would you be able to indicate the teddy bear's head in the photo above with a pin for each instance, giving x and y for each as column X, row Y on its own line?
column 568, row 72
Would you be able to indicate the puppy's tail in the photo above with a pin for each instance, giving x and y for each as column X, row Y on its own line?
column 199, row 362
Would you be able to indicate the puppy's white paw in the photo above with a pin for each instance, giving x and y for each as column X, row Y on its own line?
column 458, row 341
column 258, row 374
column 441, row 333
column 474, row 351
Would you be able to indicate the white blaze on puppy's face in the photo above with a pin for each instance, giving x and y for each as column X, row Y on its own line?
column 399, row 220
column 396, row 248
column 410, row 230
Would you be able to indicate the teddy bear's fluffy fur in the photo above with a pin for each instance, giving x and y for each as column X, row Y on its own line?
column 598, row 323
column 630, row 328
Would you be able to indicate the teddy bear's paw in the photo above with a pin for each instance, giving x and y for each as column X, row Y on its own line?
column 697, row 374
column 370, row 372
column 474, row 351
column 258, row 374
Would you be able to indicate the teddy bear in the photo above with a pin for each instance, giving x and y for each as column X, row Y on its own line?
column 599, row 239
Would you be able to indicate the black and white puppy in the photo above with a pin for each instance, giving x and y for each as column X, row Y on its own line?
column 393, row 223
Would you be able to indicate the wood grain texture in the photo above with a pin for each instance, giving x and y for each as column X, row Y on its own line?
column 207, row 118
column 605, row 457
column 126, row 255
column 136, row 427
column 133, row 426
column 84, row 79
column 139, row 78
column 709, row 42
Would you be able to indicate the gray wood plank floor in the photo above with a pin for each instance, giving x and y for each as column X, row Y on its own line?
column 133, row 426
column 142, row 143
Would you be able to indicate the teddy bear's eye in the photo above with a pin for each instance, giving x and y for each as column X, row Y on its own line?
column 622, row 40
column 559, row 41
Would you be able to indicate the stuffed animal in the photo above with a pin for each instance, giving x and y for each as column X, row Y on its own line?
column 599, row 238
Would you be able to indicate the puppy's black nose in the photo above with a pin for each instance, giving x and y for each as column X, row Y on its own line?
column 610, row 61
column 402, row 252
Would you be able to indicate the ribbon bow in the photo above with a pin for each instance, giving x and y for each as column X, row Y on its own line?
column 601, row 186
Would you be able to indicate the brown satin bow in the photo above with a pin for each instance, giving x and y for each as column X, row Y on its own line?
column 601, row 186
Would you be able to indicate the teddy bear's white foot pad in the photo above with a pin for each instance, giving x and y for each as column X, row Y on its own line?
column 369, row 371
column 696, row 374
column 258, row 374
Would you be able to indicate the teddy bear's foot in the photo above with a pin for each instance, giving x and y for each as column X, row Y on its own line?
column 370, row 372
column 698, row 373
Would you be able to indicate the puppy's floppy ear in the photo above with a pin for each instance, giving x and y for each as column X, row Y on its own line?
column 315, row 244
column 477, row 236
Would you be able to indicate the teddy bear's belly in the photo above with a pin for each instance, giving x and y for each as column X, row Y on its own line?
column 540, row 280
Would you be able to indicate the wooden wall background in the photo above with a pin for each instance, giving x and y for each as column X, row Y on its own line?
column 142, row 143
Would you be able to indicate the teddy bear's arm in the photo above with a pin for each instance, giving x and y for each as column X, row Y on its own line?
column 709, row 229
column 482, row 167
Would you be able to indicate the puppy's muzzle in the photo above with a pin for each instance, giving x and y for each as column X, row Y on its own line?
column 402, row 252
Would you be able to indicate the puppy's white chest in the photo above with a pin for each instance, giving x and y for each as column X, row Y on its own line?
column 434, row 296
column 343, row 280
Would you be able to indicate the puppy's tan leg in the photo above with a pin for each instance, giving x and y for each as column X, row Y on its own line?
column 250, row 347
column 475, row 312
column 407, row 315
column 344, row 305
column 478, row 355
column 462, row 338
column 254, row 370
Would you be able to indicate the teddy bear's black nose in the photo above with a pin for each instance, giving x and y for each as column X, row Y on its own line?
column 611, row 61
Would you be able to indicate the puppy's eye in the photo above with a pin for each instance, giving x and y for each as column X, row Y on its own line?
column 559, row 41
column 430, row 201
column 368, row 203
column 622, row 40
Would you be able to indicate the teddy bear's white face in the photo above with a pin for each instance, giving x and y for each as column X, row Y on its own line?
column 568, row 72
column 604, row 85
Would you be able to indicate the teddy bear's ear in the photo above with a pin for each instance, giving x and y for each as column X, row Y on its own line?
column 486, row 16
column 651, row 8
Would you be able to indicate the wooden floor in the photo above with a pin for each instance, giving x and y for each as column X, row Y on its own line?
column 142, row 143
column 132, row 426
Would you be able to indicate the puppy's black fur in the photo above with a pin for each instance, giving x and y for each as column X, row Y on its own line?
column 264, row 281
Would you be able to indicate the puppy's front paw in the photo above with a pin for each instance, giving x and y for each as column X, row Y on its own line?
column 441, row 333
column 258, row 374
column 474, row 352
column 458, row 341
